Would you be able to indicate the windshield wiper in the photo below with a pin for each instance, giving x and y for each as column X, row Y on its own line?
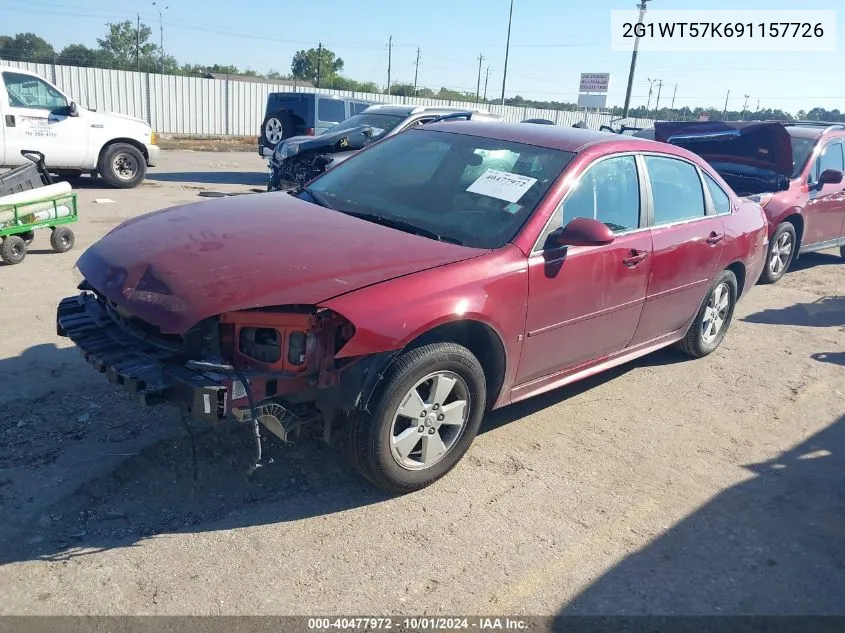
column 318, row 198
column 402, row 225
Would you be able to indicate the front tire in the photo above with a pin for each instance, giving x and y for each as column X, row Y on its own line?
column 122, row 166
column 781, row 252
column 61, row 239
column 714, row 317
column 422, row 420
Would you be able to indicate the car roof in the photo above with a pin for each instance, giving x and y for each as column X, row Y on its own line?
column 408, row 110
column 569, row 139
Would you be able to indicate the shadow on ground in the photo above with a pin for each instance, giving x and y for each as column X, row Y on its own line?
column 245, row 178
column 825, row 312
column 774, row 544
column 105, row 472
column 814, row 260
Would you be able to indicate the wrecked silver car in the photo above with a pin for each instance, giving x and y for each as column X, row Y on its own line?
column 299, row 159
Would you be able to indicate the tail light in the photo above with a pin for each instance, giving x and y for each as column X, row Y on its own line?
column 309, row 131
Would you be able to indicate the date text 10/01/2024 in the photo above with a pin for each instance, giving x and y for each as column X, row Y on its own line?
column 723, row 29
column 417, row 624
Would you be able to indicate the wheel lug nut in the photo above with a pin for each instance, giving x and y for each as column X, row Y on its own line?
column 421, row 428
column 431, row 431
column 436, row 407
column 441, row 417
column 422, row 414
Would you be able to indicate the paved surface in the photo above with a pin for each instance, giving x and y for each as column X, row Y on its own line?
column 666, row 486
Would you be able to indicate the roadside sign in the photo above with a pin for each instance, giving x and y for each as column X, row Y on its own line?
column 592, row 101
column 594, row 82
column 705, row 116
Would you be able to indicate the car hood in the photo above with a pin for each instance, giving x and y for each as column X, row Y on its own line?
column 176, row 267
column 763, row 145
column 355, row 138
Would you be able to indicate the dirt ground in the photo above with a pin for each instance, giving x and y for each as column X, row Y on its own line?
column 667, row 486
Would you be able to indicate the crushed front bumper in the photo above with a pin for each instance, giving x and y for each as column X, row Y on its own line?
column 155, row 374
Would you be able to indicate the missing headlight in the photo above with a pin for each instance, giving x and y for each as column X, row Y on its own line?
column 261, row 343
column 296, row 348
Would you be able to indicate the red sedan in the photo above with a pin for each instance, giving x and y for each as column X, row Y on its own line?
column 449, row 270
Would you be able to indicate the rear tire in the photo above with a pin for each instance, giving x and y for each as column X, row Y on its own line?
column 28, row 237
column 13, row 249
column 714, row 317
column 122, row 166
column 423, row 419
column 61, row 239
column 842, row 252
column 781, row 252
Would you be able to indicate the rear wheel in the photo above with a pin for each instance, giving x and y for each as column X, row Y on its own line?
column 28, row 237
column 61, row 239
column 714, row 317
column 13, row 249
column 782, row 249
column 423, row 419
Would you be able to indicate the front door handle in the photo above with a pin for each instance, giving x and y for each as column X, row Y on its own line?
column 715, row 238
column 10, row 120
column 635, row 258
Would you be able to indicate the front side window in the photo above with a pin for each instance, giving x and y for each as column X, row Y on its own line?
column 331, row 110
column 609, row 192
column 676, row 190
column 26, row 91
column 830, row 158
column 469, row 189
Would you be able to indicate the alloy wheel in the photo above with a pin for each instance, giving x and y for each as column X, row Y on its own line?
column 715, row 313
column 780, row 254
column 273, row 130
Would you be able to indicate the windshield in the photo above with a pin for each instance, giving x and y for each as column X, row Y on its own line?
column 381, row 123
column 468, row 189
column 801, row 150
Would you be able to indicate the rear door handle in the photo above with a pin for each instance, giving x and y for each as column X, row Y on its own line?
column 715, row 238
column 635, row 258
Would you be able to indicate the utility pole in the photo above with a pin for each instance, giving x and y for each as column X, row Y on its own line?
column 657, row 103
column 744, row 107
column 758, row 104
column 319, row 61
column 650, row 87
column 486, row 78
column 138, row 43
column 478, row 85
column 389, row 59
column 641, row 6
column 416, row 70
column 674, row 92
column 161, row 30
column 725, row 111
column 507, row 50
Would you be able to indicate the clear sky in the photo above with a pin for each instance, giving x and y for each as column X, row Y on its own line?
column 552, row 41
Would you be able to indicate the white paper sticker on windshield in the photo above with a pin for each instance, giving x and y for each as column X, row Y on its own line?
column 502, row 185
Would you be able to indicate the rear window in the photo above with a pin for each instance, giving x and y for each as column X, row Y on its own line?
column 331, row 110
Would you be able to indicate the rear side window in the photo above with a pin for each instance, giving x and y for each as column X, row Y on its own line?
column 331, row 110
column 830, row 158
column 721, row 200
column 357, row 108
column 676, row 190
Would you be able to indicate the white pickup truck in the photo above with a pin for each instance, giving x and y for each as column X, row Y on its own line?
column 35, row 115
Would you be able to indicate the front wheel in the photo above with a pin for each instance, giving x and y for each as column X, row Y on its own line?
column 122, row 166
column 780, row 255
column 713, row 318
column 423, row 420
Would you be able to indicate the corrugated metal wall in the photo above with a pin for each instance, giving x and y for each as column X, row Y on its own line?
column 220, row 107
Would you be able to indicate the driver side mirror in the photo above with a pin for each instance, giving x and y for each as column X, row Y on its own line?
column 585, row 232
column 72, row 109
column 830, row 177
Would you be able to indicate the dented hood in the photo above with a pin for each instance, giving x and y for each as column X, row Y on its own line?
column 176, row 267
column 355, row 138
column 760, row 144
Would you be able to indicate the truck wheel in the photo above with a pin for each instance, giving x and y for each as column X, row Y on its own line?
column 422, row 420
column 13, row 249
column 61, row 239
column 274, row 128
column 122, row 166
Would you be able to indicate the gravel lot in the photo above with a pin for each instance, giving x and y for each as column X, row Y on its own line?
column 666, row 486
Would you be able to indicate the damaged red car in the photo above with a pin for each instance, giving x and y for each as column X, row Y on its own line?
column 449, row 270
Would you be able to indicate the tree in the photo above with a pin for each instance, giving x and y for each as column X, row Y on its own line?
column 402, row 90
column 26, row 47
column 129, row 46
column 81, row 55
column 305, row 63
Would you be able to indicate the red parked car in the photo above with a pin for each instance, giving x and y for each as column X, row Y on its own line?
column 793, row 170
column 446, row 271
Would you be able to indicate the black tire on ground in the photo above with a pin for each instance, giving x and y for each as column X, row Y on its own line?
column 783, row 236
column 721, row 300
column 61, row 239
column 842, row 251
column 276, row 127
column 28, row 237
column 13, row 249
column 122, row 166
column 370, row 444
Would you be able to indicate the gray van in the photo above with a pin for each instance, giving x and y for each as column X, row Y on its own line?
column 303, row 114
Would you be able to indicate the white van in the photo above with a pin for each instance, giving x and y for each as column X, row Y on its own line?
column 35, row 115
